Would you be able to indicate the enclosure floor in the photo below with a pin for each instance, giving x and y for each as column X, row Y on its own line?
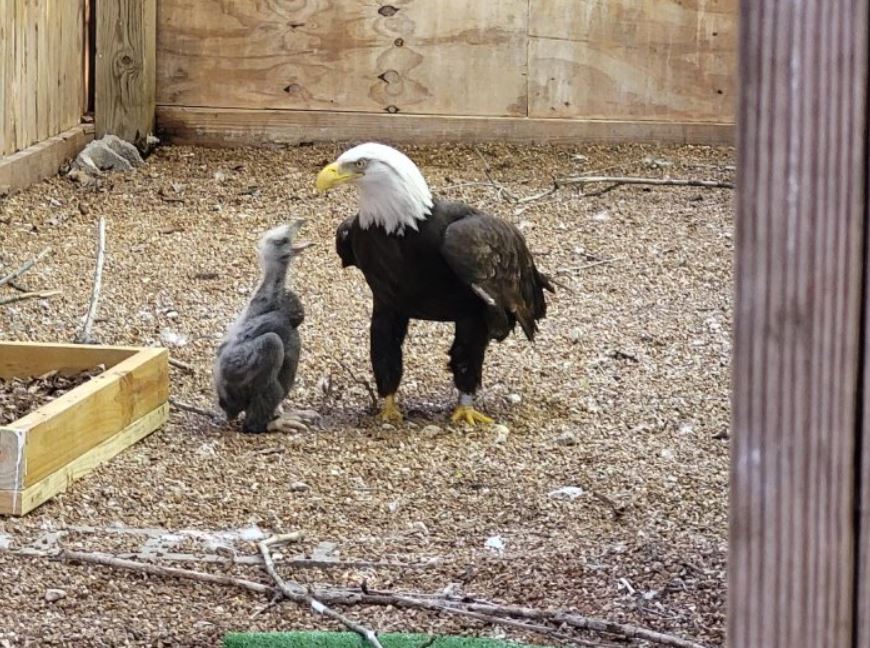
column 633, row 360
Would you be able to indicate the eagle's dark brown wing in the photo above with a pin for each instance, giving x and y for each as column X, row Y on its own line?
column 491, row 256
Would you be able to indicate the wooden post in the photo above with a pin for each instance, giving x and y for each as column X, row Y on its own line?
column 800, row 353
column 125, row 68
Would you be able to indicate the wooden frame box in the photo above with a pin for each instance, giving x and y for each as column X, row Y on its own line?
column 42, row 453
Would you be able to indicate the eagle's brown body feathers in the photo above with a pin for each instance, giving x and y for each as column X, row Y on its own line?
column 460, row 265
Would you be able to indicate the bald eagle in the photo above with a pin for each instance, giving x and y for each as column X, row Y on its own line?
column 430, row 259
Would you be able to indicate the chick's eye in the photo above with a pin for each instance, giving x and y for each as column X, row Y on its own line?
column 282, row 241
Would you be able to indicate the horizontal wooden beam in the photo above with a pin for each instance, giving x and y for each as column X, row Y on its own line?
column 27, row 359
column 240, row 127
column 43, row 160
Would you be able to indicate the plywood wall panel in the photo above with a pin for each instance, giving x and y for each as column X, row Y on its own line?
column 413, row 56
column 633, row 59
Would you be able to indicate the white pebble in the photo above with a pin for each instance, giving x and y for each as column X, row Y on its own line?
column 495, row 544
column 501, row 433
column 298, row 487
column 567, row 438
column 515, row 399
column 431, row 431
column 566, row 493
column 52, row 595
column 667, row 454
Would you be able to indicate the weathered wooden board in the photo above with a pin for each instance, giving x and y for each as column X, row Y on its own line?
column 38, row 161
column 125, row 69
column 452, row 57
column 801, row 221
column 633, row 59
column 229, row 127
column 41, row 73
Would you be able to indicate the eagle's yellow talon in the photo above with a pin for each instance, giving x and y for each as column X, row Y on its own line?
column 469, row 415
column 390, row 412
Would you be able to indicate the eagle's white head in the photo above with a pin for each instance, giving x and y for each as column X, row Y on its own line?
column 392, row 192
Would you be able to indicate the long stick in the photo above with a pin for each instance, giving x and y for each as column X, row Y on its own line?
column 166, row 572
column 85, row 334
column 43, row 294
column 494, row 613
column 297, row 593
column 671, row 182
column 24, row 267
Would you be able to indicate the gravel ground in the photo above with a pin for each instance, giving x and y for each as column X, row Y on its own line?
column 624, row 396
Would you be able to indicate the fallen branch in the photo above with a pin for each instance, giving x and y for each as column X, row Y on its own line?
column 491, row 612
column 363, row 382
column 108, row 560
column 84, row 336
column 178, row 364
column 298, row 594
column 42, row 294
column 624, row 180
column 24, row 267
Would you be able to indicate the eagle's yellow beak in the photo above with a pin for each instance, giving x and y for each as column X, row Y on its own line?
column 332, row 176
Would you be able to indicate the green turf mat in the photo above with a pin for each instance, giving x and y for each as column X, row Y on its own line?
column 351, row 640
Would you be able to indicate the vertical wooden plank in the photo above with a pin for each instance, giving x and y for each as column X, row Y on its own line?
column 71, row 75
column 125, row 69
column 45, row 68
column 7, row 60
column 801, row 216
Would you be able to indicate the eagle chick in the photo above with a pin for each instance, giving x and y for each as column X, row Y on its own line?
column 257, row 359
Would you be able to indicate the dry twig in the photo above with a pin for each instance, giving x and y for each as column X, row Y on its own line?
column 84, row 336
column 624, row 180
column 361, row 381
column 24, row 267
column 501, row 189
column 178, row 364
column 42, row 294
column 193, row 409
column 298, row 594
column 159, row 570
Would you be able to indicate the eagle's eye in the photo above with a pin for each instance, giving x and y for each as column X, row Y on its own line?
column 361, row 163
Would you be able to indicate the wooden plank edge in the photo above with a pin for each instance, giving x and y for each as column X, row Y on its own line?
column 23, row 502
column 12, row 442
column 245, row 127
column 42, row 160
column 22, row 359
column 59, row 405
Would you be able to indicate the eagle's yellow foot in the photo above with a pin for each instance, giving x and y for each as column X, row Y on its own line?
column 467, row 414
column 390, row 412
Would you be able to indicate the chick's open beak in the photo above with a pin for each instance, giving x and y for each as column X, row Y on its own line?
column 331, row 176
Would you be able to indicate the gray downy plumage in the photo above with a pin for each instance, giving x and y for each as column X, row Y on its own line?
column 257, row 359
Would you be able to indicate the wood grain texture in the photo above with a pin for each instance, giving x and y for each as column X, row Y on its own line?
column 801, row 217
column 633, row 59
column 72, row 424
column 125, row 69
column 411, row 56
column 41, row 75
column 226, row 127
column 27, row 359
column 60, row 480
column 39, row 161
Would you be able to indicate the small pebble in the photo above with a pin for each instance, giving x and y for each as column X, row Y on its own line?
column 514, row 399
column 52, row 595
column 431, row 431
column 567, row 438
column 298, row 487
column 501, row 433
